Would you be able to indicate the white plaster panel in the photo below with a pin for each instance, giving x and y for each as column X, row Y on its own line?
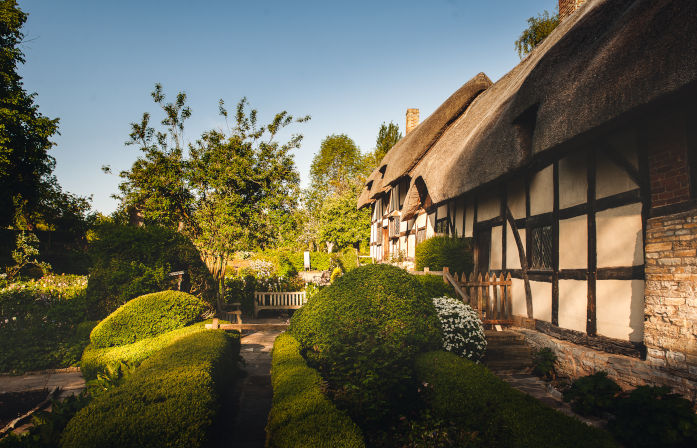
column 489, row 206
column 431, row 225
column 403, row 225
column 573, row 304
column 512, row 257
column 459, row 214
column 541, row 300
column 573, row 243
column 385, row 222
column 542, row 191
column 518, row 306
column 620, row 309
column 421, row 221
column 573, row 180
column 618, row 236
column 442, row 211
column 411, row 245
column 610, row 178
column 496, row 251
column 469, row 219
column 403, row 244
column 516, row 198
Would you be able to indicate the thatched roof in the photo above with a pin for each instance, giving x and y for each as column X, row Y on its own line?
column 412, row 147
column 607, row 60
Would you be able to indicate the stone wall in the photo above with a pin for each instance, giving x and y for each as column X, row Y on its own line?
column 575, row 361
column 670, row 327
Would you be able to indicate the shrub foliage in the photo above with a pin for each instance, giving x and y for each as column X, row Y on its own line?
column 131, row 261
column 362, row 333
column 148, row 316
column 301, row 415
column 474, row 398
column 443, row 251
column 172, row 399
column 592, row 394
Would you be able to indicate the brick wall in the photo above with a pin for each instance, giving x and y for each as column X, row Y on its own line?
column 669, row 172
column 412, row 119
column 670, row 327
column 567, row 7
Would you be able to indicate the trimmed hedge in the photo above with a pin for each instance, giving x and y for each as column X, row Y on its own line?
column 301, row 416
column 435, row 286
column 96, row 359
column 362, row 333
column 148, row 316
column 440, row 251
column 172, row 399
column 473, row 397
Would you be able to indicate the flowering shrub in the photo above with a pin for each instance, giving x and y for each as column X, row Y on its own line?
column 463, row 333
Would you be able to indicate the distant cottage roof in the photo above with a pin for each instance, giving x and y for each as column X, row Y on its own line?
column 609, row 58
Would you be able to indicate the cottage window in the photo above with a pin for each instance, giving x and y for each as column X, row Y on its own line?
column 541, row 247
column 420, row 235
column 443, row 226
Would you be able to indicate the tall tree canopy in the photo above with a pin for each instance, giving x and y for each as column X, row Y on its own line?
column 29, row 192
column 337, row 165
column 538, row 29
column 229, row 190
column 388, row 136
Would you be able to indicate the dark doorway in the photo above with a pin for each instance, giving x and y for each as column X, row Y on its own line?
column 483, row 248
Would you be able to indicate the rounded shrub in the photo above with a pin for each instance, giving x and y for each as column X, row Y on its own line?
column 148, row 316
column 443, row 251
column 362, row 333
column 463, row 332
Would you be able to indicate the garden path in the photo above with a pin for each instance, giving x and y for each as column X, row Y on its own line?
column 70, row 381
column 254, row 391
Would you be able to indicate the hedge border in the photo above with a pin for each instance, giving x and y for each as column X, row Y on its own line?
column 300, row 414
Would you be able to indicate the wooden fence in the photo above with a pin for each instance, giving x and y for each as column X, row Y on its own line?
column 491, row 296
column 488, row 294
column 278, row 301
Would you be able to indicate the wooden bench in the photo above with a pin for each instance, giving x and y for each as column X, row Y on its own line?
column 233, row 310
column 278, row 301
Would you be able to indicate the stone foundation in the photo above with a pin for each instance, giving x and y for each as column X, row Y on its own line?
column 670, row 321
column 575, row 361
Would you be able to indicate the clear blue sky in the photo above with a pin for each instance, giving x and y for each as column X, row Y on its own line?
column 350, row 65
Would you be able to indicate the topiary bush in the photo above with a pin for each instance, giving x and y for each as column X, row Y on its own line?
column 653, row 417
column 301, row 416
column 470, row 396
column 173, row 399
column 463, row 332
column 148, row 316
column 435, row 286
column 362, row 333
column 129, row 261
column 592, row 394
column 443, row 251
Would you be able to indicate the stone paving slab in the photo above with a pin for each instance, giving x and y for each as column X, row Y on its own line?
column 255, row 391
column 68, row 382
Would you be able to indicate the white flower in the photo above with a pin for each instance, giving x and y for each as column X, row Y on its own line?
column 463, row 332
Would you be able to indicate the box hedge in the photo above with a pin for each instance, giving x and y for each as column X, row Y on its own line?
column 147, row 316
column 301, row 416
column 443, row 251
column 435, row 286
column 473, row 397
column 173, row 399
column 96, row 359
column 362, row 333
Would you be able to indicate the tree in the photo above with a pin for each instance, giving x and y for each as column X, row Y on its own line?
column 29, row 193
column 388, row 136
column 228, row 191
column 341, row 223
column 538, row 29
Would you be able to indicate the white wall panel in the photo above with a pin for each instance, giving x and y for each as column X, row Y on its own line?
column 469, row 219
column 496, row 248
column 542, row 191
column 431, row 225
column 541, row 300
column 459, row 215
column 518, row 306
column 620, row 309
column 512, row 257
column 619, row 236
column 611, row 179
column 573, row 304
column 573, row 243
column 516, row 198
column 573, row 180
column 489, row 205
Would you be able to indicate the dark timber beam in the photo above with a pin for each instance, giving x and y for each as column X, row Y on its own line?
column 523, row 260
column 591, row 326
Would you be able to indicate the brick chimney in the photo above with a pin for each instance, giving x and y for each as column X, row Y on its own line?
column 567, row 7
column 412, row 119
